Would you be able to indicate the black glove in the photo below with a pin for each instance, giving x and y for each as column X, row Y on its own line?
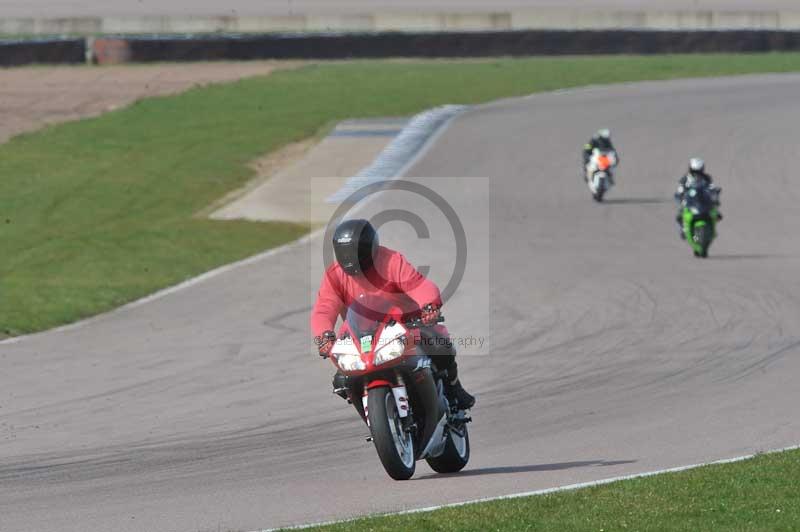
column 430, row 315
column 325, row 343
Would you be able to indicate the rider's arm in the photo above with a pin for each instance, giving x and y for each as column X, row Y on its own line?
column 681, row 188
column 715, row 191
column 412, row 283
column 329, row 305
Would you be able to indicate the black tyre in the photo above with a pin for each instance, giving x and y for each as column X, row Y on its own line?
column 395, row 447
column 702, row 236
column 601, row 191
column 455, row 455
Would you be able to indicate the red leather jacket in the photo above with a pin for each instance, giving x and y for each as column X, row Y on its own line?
column 392, row 277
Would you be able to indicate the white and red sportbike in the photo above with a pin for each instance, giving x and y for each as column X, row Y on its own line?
column 398, row 391
column 599, row 172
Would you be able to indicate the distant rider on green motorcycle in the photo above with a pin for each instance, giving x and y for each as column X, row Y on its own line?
column 695, row 178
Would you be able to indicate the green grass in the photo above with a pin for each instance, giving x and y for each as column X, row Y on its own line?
column 99, row 212
column 755, row 495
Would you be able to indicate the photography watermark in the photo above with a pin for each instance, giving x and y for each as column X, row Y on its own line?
column 434, row 248
column 460, row 342
column 431, row 344
column 413, row 219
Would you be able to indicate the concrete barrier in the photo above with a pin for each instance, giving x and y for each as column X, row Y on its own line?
column 516, row 19
column 51, row 51
column 455, row 44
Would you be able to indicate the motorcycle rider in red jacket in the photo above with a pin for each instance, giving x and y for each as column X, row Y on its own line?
column 363, row 267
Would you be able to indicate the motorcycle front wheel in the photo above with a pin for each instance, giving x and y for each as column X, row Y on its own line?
column 599, row 191
column 702, row 237
column 394, row 445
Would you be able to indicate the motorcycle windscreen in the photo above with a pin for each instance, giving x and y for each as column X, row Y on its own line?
column 366, row 313
column 698, row 200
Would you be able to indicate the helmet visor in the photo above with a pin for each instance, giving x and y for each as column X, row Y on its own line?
column 346, row 251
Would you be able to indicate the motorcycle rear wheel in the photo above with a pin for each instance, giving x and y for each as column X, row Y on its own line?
column 456, row 452
column 394, row 445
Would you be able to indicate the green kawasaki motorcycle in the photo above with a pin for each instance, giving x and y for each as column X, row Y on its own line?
column 700, row 217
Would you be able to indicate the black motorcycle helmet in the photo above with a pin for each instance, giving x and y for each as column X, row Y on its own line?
column 355, row 243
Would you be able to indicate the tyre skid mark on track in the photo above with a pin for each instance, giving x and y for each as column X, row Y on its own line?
column 762, row 363
column 183, row 457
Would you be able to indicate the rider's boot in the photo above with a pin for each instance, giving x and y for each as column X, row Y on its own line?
column 679, row 221
column 584, row 172
column 463, row 399
column 455, row 391
column 340, row 385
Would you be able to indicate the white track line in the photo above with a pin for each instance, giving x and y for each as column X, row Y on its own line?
column 546, row 491
column 401, row 151
column 437, row 120
column 166, row 291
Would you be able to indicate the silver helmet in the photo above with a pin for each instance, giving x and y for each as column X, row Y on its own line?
column 696, row 164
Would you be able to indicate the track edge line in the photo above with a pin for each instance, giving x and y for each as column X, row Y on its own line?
column 544, row 491
column 433, row 136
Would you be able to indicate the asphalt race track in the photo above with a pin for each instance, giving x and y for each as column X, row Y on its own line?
column 613, row 351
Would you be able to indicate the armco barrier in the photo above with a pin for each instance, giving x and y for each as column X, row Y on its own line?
column 392, row 44
column 54, row 51
column 455, row 44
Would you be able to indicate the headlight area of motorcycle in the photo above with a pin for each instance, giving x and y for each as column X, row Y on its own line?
column 390, row 351
column 350, row 362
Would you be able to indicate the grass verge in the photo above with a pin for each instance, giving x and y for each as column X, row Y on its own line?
column 99, row 212
column 754, row 495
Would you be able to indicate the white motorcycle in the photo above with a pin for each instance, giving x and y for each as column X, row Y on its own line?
column 598, row 172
